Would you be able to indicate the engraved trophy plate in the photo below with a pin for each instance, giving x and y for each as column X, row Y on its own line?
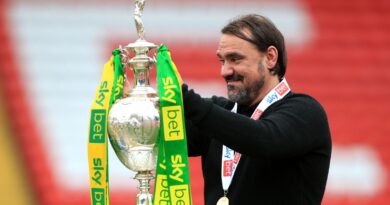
column 134, row 121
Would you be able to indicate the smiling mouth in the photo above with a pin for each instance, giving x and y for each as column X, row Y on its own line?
column 233, row 83
column 233, row 79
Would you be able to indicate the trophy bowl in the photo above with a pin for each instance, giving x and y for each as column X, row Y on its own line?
column 134, row 125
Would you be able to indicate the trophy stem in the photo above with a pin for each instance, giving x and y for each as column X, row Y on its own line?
column 141, row 77
column 144, row 197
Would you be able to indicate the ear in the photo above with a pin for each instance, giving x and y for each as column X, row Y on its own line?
column 271, row 57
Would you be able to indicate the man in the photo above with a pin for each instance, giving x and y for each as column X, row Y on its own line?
column 276, row 149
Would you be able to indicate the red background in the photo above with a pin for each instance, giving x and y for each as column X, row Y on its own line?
column 346, row 68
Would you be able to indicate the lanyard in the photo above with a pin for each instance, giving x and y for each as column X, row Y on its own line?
column 230, row 158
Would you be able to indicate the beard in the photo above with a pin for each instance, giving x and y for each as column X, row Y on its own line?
column 245, row 94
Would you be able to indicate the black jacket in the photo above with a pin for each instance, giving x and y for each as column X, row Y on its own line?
column 285, row 154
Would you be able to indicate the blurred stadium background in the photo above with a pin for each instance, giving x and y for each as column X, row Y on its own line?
column 52, row 53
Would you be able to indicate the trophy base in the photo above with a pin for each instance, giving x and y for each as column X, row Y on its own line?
column 144, row 197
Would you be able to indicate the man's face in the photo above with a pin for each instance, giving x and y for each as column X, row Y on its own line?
column 242, row 68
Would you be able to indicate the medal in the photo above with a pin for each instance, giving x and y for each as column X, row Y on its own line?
column 223, row 201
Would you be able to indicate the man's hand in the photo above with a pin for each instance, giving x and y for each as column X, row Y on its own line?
column 195, row 107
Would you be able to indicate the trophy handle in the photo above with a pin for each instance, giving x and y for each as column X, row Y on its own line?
column 154, row 56
column 125, row 56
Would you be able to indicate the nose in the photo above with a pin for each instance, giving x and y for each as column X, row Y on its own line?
column 226, row 70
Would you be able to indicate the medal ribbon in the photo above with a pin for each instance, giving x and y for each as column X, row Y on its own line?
column 109, row 89
column 172, row 184
column 230, row 158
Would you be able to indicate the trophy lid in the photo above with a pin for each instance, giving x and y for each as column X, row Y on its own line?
column 141, row 47
column 141, row 43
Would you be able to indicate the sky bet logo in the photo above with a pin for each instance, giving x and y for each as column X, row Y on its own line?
column 97, row 196
column 180, row 195
column 281, row 89
column 173, row 123
column 97, row 127
column 271, row 98
column 102, row 95
column 163, row 196
column 227, row 168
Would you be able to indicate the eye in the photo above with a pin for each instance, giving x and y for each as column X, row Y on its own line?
column 234, row 59
column 222, row 61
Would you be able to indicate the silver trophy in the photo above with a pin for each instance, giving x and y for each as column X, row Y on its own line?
column 134, row 121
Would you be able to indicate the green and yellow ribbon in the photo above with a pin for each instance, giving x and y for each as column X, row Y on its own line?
column 172, row 185
column 109, row 89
